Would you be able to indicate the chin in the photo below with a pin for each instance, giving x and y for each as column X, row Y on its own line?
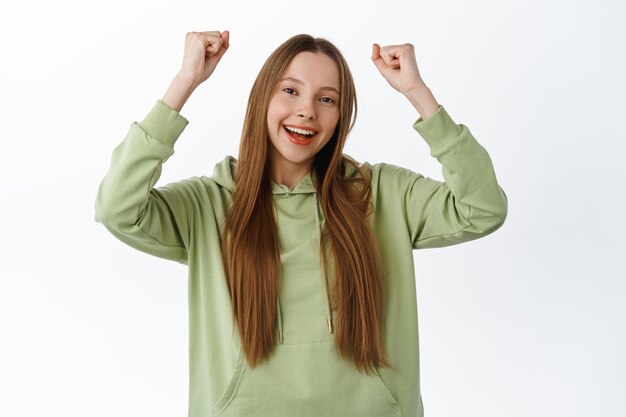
column 297, row 159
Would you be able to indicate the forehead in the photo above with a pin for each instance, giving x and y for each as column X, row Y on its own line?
column 314, row 68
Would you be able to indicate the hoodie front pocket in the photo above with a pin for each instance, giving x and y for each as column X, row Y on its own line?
column 231, row 389
column 307, row 380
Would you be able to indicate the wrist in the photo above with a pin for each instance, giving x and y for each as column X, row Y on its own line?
column 423, row 100
column 179, row 91
column 186, row 81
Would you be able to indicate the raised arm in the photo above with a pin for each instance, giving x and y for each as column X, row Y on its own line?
column 469, row 203
column 157, row 220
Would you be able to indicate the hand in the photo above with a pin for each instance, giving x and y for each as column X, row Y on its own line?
column 397, row 64
column 203, row 51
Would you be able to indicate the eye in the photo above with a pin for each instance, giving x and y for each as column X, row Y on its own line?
column 289, row 90
column 328, row 100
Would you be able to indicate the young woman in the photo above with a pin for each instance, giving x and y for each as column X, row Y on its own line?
column 302, row 293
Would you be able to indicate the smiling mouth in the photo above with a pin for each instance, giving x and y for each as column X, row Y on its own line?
column 299, row 138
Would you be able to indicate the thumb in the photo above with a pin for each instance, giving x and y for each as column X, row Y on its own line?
column 226, row 38
column 376, row 58
column 225, row 44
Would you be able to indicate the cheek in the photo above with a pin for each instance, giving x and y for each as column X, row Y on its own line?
column 333, row 122
column 272, row 111
column 277, row 108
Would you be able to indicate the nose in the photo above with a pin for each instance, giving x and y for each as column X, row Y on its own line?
column 306, row 109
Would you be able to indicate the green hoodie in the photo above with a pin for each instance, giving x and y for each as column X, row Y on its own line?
column 305, row 376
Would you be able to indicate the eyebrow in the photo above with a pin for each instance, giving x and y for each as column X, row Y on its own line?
column 295, row 80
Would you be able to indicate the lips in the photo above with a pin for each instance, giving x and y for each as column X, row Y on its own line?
column 294, row 138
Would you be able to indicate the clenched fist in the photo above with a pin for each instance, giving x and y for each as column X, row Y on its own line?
column 397, row 64
column 203, row 51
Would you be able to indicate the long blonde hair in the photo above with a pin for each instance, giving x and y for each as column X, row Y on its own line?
column 253, row 270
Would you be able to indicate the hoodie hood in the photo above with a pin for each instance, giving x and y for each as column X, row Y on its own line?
column 224, row 176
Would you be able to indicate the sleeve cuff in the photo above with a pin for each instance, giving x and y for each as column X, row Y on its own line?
column 438, row 130
column 164, row 123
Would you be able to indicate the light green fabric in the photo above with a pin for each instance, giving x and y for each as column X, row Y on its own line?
column 305, row 376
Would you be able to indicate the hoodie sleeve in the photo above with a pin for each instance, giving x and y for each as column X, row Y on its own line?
column 469, row 204
column 153, row 220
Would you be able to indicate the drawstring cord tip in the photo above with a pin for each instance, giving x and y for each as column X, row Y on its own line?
column 330, row 325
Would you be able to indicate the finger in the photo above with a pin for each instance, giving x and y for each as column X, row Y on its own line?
column 213, row 45
column 224, row 47
column 408, row 54
column 377, row 58
column 226, row 38
column 205, row 39
column 216, row 42
column 375, row 51
column 390, row 56
column 213, row 35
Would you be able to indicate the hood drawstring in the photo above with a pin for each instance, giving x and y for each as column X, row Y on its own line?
column 280, row 322
column 329, row 317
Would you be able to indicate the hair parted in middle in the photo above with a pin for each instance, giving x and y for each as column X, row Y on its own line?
column 253, row 269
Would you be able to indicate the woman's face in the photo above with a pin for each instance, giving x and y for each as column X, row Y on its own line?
column 306, row 99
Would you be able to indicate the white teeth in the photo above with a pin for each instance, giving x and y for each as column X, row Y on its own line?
column 301, row 131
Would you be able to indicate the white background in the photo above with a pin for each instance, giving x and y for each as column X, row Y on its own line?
column 529, row 321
